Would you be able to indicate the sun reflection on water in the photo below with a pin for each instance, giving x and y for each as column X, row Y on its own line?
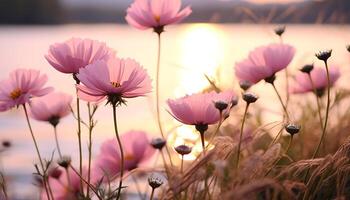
column 201, row 53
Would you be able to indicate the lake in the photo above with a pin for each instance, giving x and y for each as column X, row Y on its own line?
column 188, row 52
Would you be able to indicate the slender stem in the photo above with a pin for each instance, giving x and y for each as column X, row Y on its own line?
column 287, row 87
column 121, row 151
column 56, row 140
column 327, row 112
column 158, row 96
column 286, row 152
column 277, row 136
column 182, row 163
column 281, row 101
column 90, row 148
column 138, row 187
column 152, row 193
column 203, row 142
column 216, row 130
column 317, row 100
column 241, row 134
column 89, row 185
column 36, row 148
column 79, row 141
column 68, row 178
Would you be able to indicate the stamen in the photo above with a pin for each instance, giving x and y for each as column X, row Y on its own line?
column 157, row 18
column 129, row 157
column 115, row 84
column 15, row 94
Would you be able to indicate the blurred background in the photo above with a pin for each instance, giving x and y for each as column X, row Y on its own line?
column 211, row 40
column 220, row 11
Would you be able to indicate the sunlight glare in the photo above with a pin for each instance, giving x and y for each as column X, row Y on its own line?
column 201, row 53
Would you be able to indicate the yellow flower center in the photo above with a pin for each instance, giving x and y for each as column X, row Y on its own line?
column 129, row 157
column 157, row 18
column 15, row 94
column 115, row 84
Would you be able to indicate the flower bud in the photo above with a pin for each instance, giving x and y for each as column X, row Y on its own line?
column 307, row 68
column 6, row 143
column 64, row 162
column 183, row 149
column 155, row 181
column 158, row 143
column 280, row 30
column 250, row 98
column 292, row 129
column 245, row 85
column 324, row 55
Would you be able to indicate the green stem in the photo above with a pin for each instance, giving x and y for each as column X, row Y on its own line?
column 56, row 140
column 37, row 150
column 327, row 112
column 79, row 142
column 158, row 97
column 281, row 101
column 121, row 151
column 241, row 134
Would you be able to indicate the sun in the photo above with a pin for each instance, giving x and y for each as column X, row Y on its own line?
column 201, row 54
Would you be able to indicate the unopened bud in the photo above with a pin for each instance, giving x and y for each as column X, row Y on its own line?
column 292, row 129
column 183, row 149
column 250, row 98
column 155, row 181
column 158, row 143
column 64, row 162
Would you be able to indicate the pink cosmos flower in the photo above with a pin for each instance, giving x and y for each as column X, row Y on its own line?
column 199, row 109
column 137, row 151
column 114, row 79
column 144, row 14
column 64, row 187
column 302, row 83
column 21, row 86
column 70, row 56
column 263, row 62
column 51, row 107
